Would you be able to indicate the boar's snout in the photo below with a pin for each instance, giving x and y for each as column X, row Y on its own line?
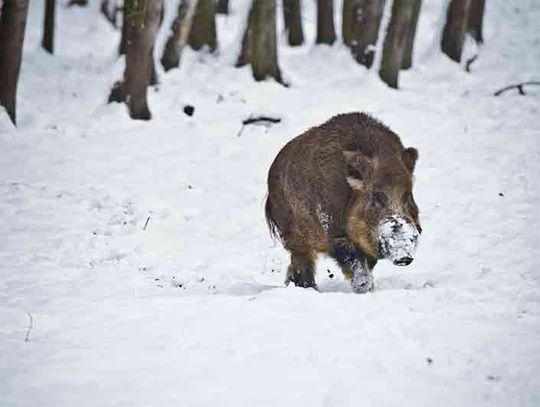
column 404, row 261
column 397, row 240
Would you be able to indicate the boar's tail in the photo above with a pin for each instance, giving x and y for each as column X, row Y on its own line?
column 272, row 225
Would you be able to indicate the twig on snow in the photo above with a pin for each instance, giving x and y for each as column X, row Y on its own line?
column 146, row 223
column 260, row 119
column 30, row 326
column 264, row 120
column 469, row 62
column 518, row 86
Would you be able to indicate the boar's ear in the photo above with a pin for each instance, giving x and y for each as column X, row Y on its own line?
column 359, row 169
column 410, row 155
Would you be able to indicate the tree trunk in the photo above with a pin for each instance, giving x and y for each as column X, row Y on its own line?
column 47, row 41
column 154, row 79
column 130, row 9
column 259, row 45
column 263, row 40
column 326, row 32
column 409, row 46
column 142, row 17
column 223, row 7
column 476, row 20
column 12, row 25
column 395, row 41
column 292, row 13
column 125, row 27
column 180, row 30
column 457, row 19
column 245, row 51
column 367, row 25
column 203, row 30
column 348, row 20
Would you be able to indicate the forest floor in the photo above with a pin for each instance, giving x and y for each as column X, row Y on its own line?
column 135, row 264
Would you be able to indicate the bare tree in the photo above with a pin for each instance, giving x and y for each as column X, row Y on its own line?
column 203, row 30
column 348, row 20
column 47, row 41
column 326, row 32
column 12, row 24
column 457, row 20
column 180, row 30
column 143, row 18
column 223, row 7
column 411, row 34
column 129, row 11
column 395, row 41
column 259, row 47
column 292, row 14
column 367, row 30
column 476, row 20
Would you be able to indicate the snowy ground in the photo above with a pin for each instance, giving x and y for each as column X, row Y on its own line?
column 190, row 310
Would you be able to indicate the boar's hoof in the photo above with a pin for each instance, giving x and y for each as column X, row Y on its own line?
column 300, row 280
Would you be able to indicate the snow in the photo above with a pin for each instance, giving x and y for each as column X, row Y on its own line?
column 191, row 309
column 398, row 238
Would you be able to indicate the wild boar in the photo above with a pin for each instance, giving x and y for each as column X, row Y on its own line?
column 344, row 189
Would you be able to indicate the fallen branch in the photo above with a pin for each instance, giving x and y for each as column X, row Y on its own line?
column 260, row 119
column 146, row 223
column 265, row 120
column 518, row 86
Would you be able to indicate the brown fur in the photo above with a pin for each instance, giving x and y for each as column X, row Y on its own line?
column 323, row 183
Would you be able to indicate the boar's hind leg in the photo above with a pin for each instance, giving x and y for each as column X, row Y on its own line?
column 301, row 271
column 355, row 265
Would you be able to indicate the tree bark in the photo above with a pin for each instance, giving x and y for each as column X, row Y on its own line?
column 259, row 44
column 245, row 51
column 457, row 19
column 326, row 32
column 395, row 41
column 47, row 41
column 292, row 14
column 367, row 26
column 12, row 26
column 476, row 20
column 348, row 20
column 143, row 18
column 203, row 30
column 180, row 30
column 130, row 9
column 411, row 34
column 125, row 27
column 154, row 79
column 223, row 7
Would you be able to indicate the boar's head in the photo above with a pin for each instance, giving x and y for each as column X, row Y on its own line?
column 382, row 217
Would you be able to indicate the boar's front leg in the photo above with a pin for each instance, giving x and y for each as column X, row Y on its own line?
column 354, row 264
column 301, row 271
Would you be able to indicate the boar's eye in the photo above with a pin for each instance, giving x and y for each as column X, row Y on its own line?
column 379, row 199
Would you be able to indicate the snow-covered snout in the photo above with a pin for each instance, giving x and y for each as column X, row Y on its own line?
column 397, row 240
